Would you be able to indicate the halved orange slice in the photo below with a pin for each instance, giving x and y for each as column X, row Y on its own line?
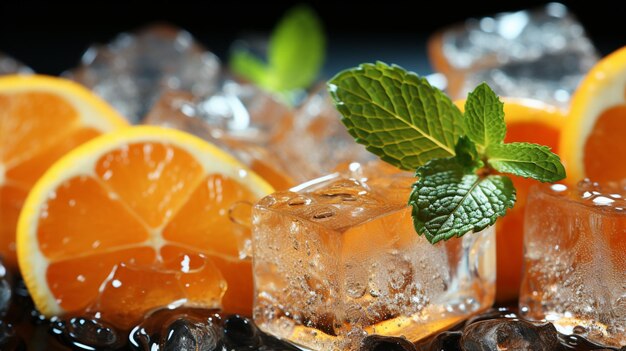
column 593, row 144
column 139, row 196
column 41, row 118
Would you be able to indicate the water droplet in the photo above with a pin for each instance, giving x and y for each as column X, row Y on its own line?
column 116, row 283
column 354, row 167
column 184, row 264
column 559, row 187
column 603, row 201
column 355, row 289
column 91, row 334
column 324, row 214
column 107, row 175
column 299, row 201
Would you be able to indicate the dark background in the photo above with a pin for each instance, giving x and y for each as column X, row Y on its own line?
column 51, row 36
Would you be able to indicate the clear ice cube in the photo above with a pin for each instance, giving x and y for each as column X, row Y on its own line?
column 284, row 145
column 541, row 53
column 317, row 142
column 338, row 258
column 575, row 266
column 134, row 69
column 239, row 118
column 9, row 65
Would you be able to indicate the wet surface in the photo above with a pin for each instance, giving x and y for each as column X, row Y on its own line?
column 23, row 328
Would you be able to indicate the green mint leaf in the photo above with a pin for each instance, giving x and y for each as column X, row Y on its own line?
column 466, row 152
column 296, row 50
column 526, row 160
column 295, row 54
column 484, row 117
column 244, row 64
column 450, row 199
column 396, row 114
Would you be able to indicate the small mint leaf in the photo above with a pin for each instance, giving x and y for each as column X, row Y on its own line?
column 397, row 115
column 247, row 65
column 449, row 199
column 295, row 55
column 526, row 160
column 484, row 117
column 296, row 50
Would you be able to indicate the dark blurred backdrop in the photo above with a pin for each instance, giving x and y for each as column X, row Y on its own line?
column 50, row 36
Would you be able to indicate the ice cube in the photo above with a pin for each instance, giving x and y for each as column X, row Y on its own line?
column 89, row 333
column 575, row 267
column 183, row 335
column 283, row 145
column 9, row 65
column 318, row 141
column 509, row 334
column 178, row 329
column 338, row 259
column 541, row 53
column 239, row 118
column 134, row 69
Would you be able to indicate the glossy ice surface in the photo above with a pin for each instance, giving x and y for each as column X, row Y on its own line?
column 285, row 145
column 135, row 68
column 337, row 259
column 575, row 275
column 541, row 53
column 9, row 65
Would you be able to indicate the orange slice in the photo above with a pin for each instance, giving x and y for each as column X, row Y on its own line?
column 41, row 118
column 593, row 145
column 140, row 196
column 527, row 121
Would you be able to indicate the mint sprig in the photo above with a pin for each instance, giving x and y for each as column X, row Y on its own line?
column 458, row 157
column 295, row 54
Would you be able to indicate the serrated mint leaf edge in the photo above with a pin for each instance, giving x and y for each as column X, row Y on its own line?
column 482, row 127
column 497, row 158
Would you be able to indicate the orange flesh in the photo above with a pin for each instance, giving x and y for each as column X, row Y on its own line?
column 32, row 120
column 603, row 144
column 36, row 128
column 182, row 276
column 75, row 282
column 148, row 204
column 509, row 229
column 154, row 180
column 277, row 179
